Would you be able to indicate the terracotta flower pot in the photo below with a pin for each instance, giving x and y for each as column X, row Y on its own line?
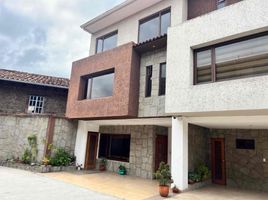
column 102, row 168
column 163, row 190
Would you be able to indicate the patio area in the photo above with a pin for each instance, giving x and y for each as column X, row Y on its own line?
column 125, row 187
column 133, row 188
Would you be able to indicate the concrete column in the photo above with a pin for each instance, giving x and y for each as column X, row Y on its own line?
column 81, row 140
column 179, row 155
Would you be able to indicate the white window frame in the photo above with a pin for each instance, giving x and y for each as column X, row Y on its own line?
column 36, row 104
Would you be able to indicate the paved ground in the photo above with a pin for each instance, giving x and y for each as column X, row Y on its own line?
column 133, row 188
column 22, row 185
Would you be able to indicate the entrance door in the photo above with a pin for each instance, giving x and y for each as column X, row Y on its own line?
column 161, row 150
column 91, row 150
column 218, row 161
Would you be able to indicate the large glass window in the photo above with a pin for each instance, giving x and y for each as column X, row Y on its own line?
column 155, row 25
column 234, row 59
column 100, row 86
column 106, row 42
column 162, row 79
column 114, row 146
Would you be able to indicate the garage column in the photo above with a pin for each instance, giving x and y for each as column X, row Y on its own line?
column 179, row 155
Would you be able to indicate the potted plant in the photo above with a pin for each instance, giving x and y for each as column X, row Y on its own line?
column 122, row 170
column 45, row 160
column 163, row 176
column 102, row 166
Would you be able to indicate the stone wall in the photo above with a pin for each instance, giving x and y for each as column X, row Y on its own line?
column 15, row 97
column 154, row 105
column 15, row 129
column 245, row 168
column 198, row 143
column 142, row 143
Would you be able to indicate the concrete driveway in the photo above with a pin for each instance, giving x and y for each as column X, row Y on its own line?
column 22, row 185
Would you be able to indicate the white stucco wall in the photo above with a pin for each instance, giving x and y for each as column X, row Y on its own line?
column 182, row 97
column 81, row 140
column 128, row 28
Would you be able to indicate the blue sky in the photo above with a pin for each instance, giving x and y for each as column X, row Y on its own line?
column 44, row 36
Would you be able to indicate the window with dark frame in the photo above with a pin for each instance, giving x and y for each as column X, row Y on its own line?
column 106, row 42
column 245, row 144
column 99, row 85
column 114, row 147
column 36, row 104
column 162, row 79
column 148, row 81
column 221, row 4
column 234, row 59
column 154, row 25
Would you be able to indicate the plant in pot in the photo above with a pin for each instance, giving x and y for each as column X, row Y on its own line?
column 163, row 176
column 122, row 170
column 102, row 166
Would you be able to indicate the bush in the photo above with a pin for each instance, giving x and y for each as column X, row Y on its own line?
column 193, row 176
column 61, row 158
column 203, row 171
column 26, row 157
column 163, row 174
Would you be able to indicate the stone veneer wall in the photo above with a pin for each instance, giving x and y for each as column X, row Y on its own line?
column 198, row 149
column 15, row 129
column 245, row 168
column 142, row 143
column 154, row 105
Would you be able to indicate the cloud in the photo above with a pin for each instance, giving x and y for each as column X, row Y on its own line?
column 44, row 36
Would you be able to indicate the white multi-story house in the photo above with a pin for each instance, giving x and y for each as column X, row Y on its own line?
column 184, row 82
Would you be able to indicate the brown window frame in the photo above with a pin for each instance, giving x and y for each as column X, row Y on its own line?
column 103, row 37
column 152, row 16
column 84, row 83
column 148, row 78
column 160, row 92
column 213, row 57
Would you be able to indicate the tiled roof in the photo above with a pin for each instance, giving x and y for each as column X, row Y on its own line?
column 151, row 40
column 35, row 79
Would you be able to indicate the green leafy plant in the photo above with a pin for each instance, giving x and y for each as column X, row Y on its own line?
column 203, row 171
column 26, row 157
column 194, row 177
column 122, row 170
column 32, row 140
column 163, row 174
column 60, row 158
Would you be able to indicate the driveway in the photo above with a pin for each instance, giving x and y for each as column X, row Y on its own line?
column 22, row 185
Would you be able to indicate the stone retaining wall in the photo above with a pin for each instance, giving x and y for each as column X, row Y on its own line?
column 14, row 130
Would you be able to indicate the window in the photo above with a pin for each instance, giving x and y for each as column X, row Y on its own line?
column 98, row 86
column 106, row 42
column 221, row 3
column 148, row 81
column 162, row 79
column 114, row 147
column 155, row 25
column 239, row 58
column 245, row 144
column 36, row 104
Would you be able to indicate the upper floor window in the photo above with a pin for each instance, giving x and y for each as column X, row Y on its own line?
column 148, row 81
column 106, row 42
column 162, row 79
column 242, row 57
column 98, row 86
column 155, row 25
column 221, row 3
column 36, row 104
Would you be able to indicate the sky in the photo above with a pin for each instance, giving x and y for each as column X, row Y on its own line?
column 44, row 36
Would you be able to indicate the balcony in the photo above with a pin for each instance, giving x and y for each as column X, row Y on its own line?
column 123, row 62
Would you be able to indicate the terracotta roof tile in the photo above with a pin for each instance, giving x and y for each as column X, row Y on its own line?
column 36, row 79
